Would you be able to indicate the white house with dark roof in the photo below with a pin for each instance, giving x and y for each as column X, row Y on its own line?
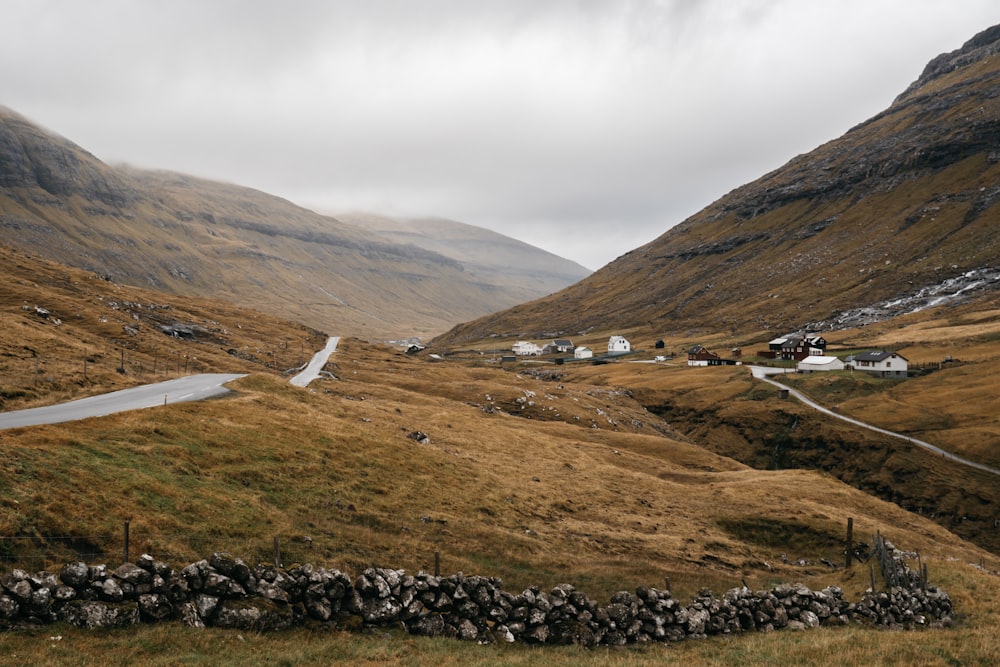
column 882, row 363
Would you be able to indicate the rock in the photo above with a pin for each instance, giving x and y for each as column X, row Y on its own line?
column 75, row 574
column 111, row 591
column 467, row 630
column 9, row 607
column 188, row 613
column 809, row 619
column 380, row 610
column 64, row 593
column 132, row 574
column 253, row 614
column 155, row 607
column 92, row 614
column 205, row 604
column 419, row 436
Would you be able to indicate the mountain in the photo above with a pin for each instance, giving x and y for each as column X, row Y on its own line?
column 192, row 236
column 897, row 207
column 489, row 257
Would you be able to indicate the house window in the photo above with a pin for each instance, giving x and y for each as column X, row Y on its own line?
column 888, row 364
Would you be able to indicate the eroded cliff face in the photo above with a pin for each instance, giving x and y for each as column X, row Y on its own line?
column 900, row 202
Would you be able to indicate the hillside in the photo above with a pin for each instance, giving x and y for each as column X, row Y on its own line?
column 606, row 482
column 536, row 477
column 196, row 237
column 900, row 204
column 487, row 256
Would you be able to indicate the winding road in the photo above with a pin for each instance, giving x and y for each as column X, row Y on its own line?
column 315, row 365
column 762, row 373
column 190, row 388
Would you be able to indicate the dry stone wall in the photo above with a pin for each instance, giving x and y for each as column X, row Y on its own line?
column 225, row 592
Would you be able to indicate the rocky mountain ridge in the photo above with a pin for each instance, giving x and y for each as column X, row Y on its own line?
column 901, row 202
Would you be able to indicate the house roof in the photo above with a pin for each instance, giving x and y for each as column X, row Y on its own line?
column 878, row 355
column 563, row 342
column 819, row 361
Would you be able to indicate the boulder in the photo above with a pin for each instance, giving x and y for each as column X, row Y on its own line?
column 92, row 614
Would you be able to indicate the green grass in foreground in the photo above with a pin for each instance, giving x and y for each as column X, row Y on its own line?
column 173, row 644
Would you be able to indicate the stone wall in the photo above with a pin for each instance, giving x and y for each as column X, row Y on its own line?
column 225, row 592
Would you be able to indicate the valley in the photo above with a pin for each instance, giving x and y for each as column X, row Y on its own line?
column 536, row 473
column 539, row 469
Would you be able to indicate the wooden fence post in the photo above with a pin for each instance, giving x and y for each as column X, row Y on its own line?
column 437, row 563
column 871, row 570
column 126, row 544
column 277, row 551
column 850, row 541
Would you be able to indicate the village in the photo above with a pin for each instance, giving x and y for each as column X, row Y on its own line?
column 807, row 350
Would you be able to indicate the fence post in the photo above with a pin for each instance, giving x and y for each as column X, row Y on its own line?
column 871, row 570
column 277, row 551
column 126, row 543
column 850, row 541
column 437, row 563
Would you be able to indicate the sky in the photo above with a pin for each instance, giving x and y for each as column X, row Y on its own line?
column 586, row 128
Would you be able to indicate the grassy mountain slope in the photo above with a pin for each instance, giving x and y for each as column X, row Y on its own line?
column 197, row 237
column 522, row 475
column 487, row 257
column 903, row 201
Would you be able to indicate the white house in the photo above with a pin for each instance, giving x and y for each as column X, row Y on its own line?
column 618, row 344
column 583, row 352
column 813, row 364
column 526, row 348
column 883, row 364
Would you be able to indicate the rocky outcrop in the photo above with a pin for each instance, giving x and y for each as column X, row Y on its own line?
column 225, row 592
column 30, row 157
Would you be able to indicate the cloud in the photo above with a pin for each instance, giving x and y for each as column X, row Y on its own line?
column 613, row 120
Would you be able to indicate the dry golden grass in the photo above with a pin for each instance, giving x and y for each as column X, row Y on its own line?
column 584, row 486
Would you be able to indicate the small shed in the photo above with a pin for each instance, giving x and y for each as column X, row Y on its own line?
column 814, row 364
column 583, row 352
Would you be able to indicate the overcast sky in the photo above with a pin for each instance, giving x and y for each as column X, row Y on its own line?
column 585, row 128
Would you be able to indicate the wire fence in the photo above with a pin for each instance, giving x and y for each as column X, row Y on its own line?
column 35, row 553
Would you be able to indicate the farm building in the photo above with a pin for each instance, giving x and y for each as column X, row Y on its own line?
column 526, row 348
column 814, row 364
column 583, row 352
column 701, row 356
column 881, row 363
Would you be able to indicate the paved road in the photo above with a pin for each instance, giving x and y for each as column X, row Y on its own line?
column 315, row 365
column 762, row 373
column 190, row 388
